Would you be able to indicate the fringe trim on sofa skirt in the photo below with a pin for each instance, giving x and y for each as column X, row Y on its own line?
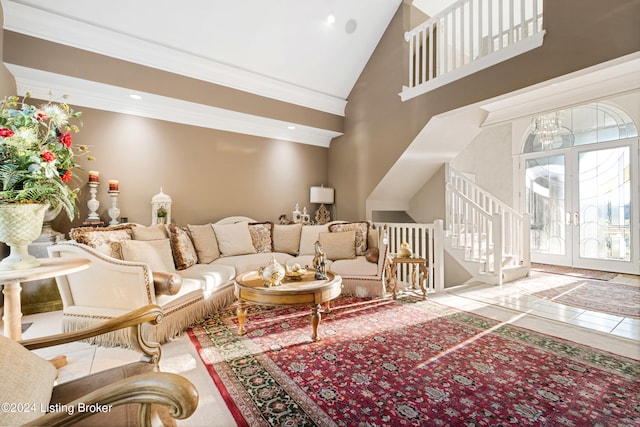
column 119, row 338
column 184, row 317
column 373, row 288
column 174, row 322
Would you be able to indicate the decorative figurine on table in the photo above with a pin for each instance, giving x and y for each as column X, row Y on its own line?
column 320, row 262
column 272, row 273
column 283, row 220
column 297, row 215
column 405, row 251
column 294, row 272
column 305, row 218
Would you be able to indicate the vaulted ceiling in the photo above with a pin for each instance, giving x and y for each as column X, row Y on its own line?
column 285, row 50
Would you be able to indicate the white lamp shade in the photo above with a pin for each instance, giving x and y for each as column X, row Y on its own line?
column 321, row 195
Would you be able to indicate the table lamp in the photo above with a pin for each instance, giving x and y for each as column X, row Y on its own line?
column 322, row 195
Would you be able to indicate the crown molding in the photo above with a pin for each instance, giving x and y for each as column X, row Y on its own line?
column 57, row 28
column 84, row 93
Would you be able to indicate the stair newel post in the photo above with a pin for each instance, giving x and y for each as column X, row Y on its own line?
column 498, row 244
column 437, row 268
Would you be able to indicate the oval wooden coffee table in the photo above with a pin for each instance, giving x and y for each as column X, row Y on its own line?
column 249, row 288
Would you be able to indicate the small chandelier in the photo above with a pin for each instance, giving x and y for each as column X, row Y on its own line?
column 546, row 127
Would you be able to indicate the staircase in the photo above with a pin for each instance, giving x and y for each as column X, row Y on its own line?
column 484, row 235
column 488, row 238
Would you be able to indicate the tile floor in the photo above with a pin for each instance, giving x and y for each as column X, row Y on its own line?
column 516, row 296
column 508, row 303
column 513, row 302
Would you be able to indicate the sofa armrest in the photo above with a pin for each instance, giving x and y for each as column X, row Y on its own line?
column 158, row 388
column 109, row 282
column 383, row 250
column 149, row 314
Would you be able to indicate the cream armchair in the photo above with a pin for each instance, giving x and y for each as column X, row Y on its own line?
column 112, row 287
column 134, row 394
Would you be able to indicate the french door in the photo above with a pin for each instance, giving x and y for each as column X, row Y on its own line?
column 583, row 206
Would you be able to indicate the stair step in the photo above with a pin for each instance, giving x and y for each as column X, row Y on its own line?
column 509, row 274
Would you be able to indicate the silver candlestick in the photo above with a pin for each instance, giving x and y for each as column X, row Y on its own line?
column 114, row 212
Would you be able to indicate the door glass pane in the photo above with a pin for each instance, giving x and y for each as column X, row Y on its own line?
column 545, row 178
column 605, row 204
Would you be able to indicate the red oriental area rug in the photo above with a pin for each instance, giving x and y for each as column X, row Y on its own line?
column 597, row 295
column 409, row 363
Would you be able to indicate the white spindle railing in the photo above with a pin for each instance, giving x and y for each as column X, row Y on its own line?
column 425, row 240
column 489, row 231
column 468, row 36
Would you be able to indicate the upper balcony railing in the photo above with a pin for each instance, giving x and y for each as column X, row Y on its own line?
column 467, row 37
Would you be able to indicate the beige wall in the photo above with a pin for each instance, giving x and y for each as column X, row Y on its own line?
column 490, row 148
column 428, row 204
column 7, row 82
column 379, row 127
column 209, row 174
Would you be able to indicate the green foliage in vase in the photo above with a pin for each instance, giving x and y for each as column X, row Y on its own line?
column 37, row 158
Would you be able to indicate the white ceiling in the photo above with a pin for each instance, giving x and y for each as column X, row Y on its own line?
column 263, row 47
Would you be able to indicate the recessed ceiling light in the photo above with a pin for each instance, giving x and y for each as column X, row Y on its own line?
column 291, row 127
column 331, row 18
column 134, row 96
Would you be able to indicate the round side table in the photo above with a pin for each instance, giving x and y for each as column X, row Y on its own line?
column 11, row 279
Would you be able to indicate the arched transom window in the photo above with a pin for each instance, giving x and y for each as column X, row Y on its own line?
column 586, row 124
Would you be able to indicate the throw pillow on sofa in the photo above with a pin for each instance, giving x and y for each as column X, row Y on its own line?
column 204, row 240
column 184, row 254
column 309, row 237
column 362, row 233
column 340, row 245
column 261, row 236
column 103, row 239
column 286, row 238
column 234, row 239
column 153, row 232
column 156, row 253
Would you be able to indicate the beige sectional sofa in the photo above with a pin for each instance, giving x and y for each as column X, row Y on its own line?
column 189, row 271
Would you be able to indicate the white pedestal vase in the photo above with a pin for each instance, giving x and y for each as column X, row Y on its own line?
column 20, row 224
column 48, row 234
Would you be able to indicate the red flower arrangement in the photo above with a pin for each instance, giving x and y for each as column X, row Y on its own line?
column 36, row 154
